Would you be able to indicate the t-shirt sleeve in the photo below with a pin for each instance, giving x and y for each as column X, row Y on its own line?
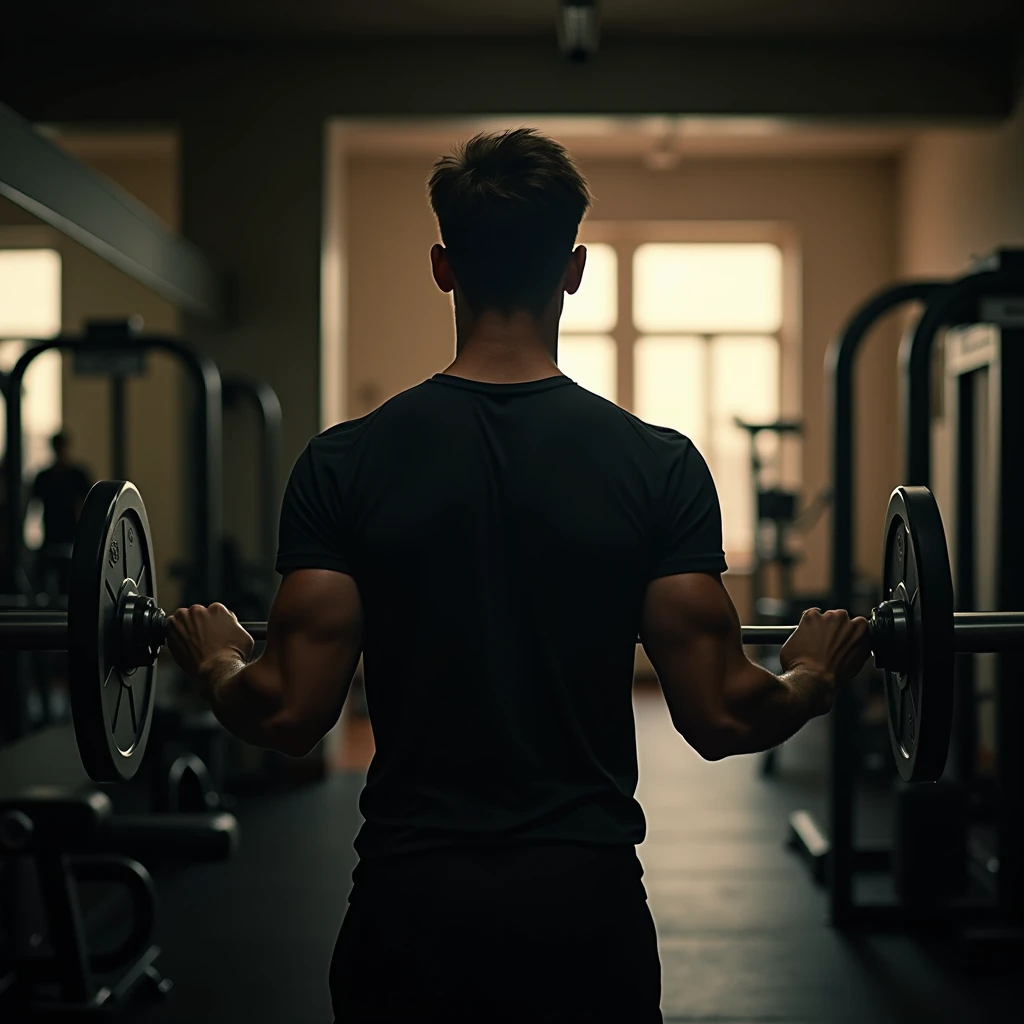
column 312, row 533
column 690, row 533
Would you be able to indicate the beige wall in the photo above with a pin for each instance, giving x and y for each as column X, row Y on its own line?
column 962, row 194
column 93, row 289
column 845, row 218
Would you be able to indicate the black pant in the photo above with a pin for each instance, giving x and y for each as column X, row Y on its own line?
column 537, row 933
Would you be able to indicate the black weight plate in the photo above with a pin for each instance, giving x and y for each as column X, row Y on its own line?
column 112, row 707
column 915, row 567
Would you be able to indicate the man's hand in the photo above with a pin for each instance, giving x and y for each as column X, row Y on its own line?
column 829, row 646
column 201, row 637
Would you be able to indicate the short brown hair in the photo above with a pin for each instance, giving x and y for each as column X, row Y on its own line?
column 509, row 205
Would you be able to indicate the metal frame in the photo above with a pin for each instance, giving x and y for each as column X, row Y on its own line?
column 264, row 400
column 208, row 497
column 839, row 366
column 844, row 857
column 833, row 856
column 1000, row 356
column 776, row 554
column 977, row 298
column 57, row 188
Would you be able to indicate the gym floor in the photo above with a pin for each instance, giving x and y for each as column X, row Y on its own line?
column 742, row 929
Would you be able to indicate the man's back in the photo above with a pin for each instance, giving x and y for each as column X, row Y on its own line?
column 502, row 537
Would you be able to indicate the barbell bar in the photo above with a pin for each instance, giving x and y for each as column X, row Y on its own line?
column 114, row 629
column 973, row 632
column 48, row 631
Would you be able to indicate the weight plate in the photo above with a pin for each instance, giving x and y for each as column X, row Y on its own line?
column 915, row 568
column 112, row 557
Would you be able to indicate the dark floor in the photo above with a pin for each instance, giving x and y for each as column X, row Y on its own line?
column 742, row 929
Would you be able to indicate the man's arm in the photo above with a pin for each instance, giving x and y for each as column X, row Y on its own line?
column 720, row 701
column 292, row 695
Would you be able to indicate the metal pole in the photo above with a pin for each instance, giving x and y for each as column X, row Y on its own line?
column 987, row 632
column 979, row 632
column 839, row 365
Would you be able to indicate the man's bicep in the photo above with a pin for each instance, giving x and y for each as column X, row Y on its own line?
column 314, row 639
column 691, row 633
column 311, row 532
column 689, row 538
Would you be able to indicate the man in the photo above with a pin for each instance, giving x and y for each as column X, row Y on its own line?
column 61, row 488
column 492, row 541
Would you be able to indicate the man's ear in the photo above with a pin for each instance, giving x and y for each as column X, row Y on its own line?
column 573, row 276
column 441, row 268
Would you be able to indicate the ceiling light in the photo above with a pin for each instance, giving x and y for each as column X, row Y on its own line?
column 578, row 29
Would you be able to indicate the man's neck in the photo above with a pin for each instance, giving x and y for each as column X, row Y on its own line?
column 497, row 350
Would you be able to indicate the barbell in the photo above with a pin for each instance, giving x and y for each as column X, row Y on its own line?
column 114, row 629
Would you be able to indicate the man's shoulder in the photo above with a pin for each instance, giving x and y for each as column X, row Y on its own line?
column 341, row 438
column 665, row 442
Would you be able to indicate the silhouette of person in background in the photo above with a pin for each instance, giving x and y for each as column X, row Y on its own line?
column 61, row 488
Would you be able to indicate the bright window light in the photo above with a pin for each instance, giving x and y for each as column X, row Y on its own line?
column 745, row 383
column 707, row 287
column 29, row 293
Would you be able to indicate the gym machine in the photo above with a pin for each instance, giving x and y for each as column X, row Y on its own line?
column 56, row 956
column 118, row 350
column 983, row 367
column 775, row 517
column 119, row 346
column 101, row 345
column 989, row 295
column 776, row 520
column 830, row 848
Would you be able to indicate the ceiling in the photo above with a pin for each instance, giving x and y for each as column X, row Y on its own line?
column 321, row 19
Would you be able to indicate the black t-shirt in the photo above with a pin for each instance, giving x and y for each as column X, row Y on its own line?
column 61, row 489
column 502, row 537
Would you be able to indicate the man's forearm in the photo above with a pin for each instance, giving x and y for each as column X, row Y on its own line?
column 767, row 710
column 245, row 701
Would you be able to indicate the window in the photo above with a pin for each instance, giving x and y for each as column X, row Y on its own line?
column 30, row 308
column 701, row 331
